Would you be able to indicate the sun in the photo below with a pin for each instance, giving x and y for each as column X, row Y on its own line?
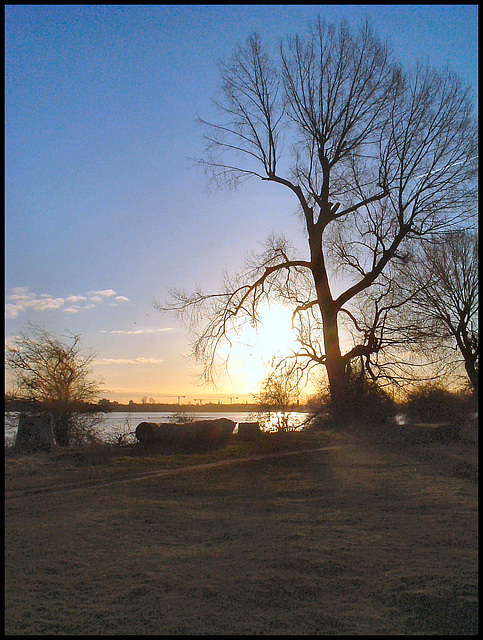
column 275, row 335
column 253, row 349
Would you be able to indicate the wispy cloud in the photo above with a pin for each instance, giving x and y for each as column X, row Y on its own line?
column 74, row 299
column 109, row 361
column 137, row 332
column 106, row 293
column 21, row 300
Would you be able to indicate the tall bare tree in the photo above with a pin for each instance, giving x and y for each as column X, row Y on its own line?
column 53, row 374
column 376, row 158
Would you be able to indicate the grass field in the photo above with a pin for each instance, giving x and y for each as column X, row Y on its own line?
column 361, row 540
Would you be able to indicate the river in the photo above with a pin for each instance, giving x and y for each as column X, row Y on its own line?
column 122, row 424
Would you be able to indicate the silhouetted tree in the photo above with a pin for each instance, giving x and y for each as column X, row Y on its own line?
column 424, row 316
column 442, row 281
column 54, row 375
column 278, row 393
column 377, row 157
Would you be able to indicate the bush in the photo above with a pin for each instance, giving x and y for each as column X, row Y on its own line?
column 365, row 404
column 433, row 404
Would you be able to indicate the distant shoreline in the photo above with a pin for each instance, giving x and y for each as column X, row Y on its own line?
column 198, row 408
column 116, row 407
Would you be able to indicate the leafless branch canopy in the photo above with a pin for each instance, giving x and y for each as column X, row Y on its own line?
column 49, row 370
column 377, row 157
column 53, row 373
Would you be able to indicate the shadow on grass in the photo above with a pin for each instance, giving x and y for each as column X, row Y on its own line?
column 102, row 453
column 347, row 542
column 450, row 457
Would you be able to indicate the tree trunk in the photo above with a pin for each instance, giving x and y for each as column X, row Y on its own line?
column 469, row 356
column 62, row 430
column 336, row 369
column 472, row 372
column 217, row 430
column 334, row 363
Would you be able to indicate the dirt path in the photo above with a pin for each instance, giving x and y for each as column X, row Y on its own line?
column 99, row 484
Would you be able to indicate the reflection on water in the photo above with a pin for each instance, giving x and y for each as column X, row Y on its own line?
column 122, row 424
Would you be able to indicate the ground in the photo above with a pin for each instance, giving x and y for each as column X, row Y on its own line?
column 364, row 539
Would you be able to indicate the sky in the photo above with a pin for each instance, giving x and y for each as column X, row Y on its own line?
column 105, row 210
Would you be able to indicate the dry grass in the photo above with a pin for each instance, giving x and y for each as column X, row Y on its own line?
column 364, row 540
column 78, row 466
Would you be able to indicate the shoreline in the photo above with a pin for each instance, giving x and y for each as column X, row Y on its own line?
column 158, row 407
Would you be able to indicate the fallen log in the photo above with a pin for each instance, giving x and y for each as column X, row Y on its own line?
column 200, row 430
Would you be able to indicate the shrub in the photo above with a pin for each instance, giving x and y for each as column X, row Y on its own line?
column 365, row 404
column 433, row 403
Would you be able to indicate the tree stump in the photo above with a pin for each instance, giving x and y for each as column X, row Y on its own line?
column 35, row 433
column 249, row 430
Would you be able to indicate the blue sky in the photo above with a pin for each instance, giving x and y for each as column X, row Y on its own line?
column 105, row 211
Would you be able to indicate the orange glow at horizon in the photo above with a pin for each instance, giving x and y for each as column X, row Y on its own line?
column 250, row 355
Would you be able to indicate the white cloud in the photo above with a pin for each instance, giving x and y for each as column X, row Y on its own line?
column 74, row 299
column 11, row 310
column 46, row 303
column 19, row 293
column 106, row 293
column 118, row 300
column 21, row 300
column 109, row 361
column 137, row 332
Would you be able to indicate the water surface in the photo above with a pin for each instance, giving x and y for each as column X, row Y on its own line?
column 122, row 424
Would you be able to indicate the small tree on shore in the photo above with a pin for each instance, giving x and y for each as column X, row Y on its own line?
column 278, row 394
column 55, row 376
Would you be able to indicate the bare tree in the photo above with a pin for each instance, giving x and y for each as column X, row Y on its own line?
column 53, row 374
column 279, row 393
column 443, row 285
column 376, row 157
column 424, row 315
column 391, row 347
